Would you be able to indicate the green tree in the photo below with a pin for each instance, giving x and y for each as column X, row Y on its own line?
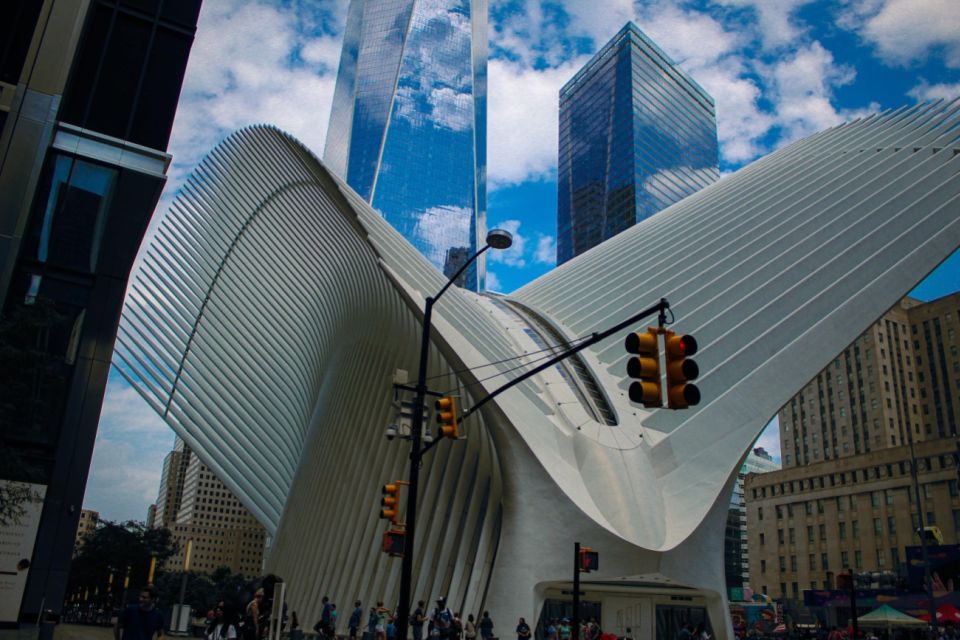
column 118, row 550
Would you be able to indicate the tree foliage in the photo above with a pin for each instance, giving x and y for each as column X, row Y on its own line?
column 118, row 549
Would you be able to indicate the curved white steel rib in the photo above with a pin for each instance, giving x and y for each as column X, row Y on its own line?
column 266, row 323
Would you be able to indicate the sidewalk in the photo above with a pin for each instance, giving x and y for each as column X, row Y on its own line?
column 61, row 632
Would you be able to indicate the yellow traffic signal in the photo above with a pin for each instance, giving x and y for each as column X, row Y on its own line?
column 447, row 417
column 645, row 366
column 390, row 503
column 680, row 370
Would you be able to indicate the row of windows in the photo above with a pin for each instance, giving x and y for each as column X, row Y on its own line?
column 874, row 472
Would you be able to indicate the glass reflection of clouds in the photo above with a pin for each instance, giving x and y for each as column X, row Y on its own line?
column 636, row 135
column 407, row 129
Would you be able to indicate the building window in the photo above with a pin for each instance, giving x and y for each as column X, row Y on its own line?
column 780, row 536
column 856, row 529
column 881, row 558
column 858, row 559
column 813, row 562
column 892, row 525
column 895, row 557
column 853, row 502
column 842, row 530
column 877, row 526
column 783, row 563
column 823, row 533
column 793, row 563
column 889, row 494
column 840, row 501
column 763, row 566
column 845, row 559
column 875, row 499
column 824, row 564
column 779, row 512
column 810, row 534
column 808, row 507
column 763, row 539
column 793, row 536
column 759, row 513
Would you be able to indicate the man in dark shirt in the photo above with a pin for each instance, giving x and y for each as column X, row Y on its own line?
column 141, row 621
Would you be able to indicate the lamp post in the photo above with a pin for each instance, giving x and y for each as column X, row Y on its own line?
column 928, row 578
column 496, row 239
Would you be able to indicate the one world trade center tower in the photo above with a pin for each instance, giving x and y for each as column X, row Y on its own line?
column 408, row 124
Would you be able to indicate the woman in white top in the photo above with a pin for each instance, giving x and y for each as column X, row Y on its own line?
column 224, row 626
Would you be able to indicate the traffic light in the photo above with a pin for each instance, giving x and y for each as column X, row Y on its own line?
column 394, row 542
column 845, row 581
column 390, row 502
column 447, row 417
column 680, row 370
column 931, row 535
column 589, row 560
column 645, row 366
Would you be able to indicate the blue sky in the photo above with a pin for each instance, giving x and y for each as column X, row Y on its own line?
column 779, row 70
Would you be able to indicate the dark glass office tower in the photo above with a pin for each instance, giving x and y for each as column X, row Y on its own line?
column 87, row 100
column 636, row 135
column 408, row 123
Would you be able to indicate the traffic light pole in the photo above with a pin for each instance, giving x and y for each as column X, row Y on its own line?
column 575, row 630
column 928, row 578
column 416, row 454
column 416, row 429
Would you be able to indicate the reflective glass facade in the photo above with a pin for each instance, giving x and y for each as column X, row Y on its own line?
column 408, row 124
column 636, row 135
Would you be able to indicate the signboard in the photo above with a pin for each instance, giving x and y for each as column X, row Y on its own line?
column 16, row 547
column 944, row 567
column 841, row 597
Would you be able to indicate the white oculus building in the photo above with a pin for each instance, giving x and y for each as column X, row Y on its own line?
column 274, row 306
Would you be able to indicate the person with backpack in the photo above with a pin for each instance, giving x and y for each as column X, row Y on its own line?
column 441, row 621
column 523, row 630
column 323, row 624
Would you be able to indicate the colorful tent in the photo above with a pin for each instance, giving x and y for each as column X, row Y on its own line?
column 887, row 616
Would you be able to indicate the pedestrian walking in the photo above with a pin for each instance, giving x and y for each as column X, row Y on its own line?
column 322, row 627
column 523, row 630
column 457, row 626
column 417, row 619
column 371, row 625
column 382, row 615
column 441, row 620
column 354, row 622
column 224, row 623
column 141, row 621
column 486, row 626
column 470, row 628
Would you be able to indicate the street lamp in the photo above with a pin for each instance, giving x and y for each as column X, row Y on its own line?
column 496, row 239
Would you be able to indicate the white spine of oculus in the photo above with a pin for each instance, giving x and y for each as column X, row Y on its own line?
column 273, row 307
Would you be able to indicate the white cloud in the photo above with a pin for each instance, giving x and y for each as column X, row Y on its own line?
column 514, row 256
column 493, row 282
column 523, row 122
column 438, row 227
column 546, row 251
column 908, row 31
column 128, row 455
column 802, row 89
column 777, row 26
column 925, row 91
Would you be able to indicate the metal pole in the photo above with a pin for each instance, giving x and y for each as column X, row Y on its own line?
column 853, row 605
column 575, row 631
column 416, row 432
column 931, row 604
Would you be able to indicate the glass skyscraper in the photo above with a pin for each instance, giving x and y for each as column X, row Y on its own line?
column 636, row 135
column 408, row 124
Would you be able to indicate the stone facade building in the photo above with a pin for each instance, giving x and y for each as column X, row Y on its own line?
column 196, row 506
column 845, row 498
